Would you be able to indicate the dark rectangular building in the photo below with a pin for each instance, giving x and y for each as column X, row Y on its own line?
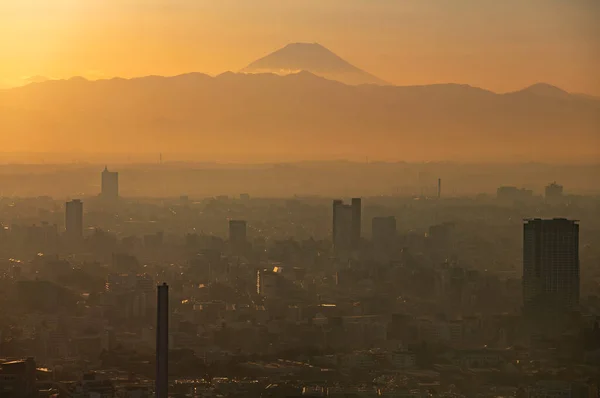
column 343, row 224
column 162, row 341
column 74, row 219
column 550, row 266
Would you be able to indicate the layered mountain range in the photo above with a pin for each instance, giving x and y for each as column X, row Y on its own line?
column 248, row 116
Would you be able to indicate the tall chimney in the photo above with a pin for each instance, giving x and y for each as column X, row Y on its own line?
column 162, row 341
column 356, row 222
column 439, row 188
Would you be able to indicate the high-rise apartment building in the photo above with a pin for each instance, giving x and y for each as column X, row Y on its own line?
column 74, row 219
column 110, row 184
column 550, row 266
column 346, row 224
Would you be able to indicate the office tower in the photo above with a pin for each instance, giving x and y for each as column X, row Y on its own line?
column 110, row 184
column 550, row 266
column 383, row 232
column 74, row 219
column 162, row 341
column 343, row 225
column 356, row 221
column 237, row 235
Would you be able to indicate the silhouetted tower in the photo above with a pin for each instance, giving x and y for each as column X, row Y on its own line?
column 342, row 225
column 74, row 219
column 356, row 221
column 162, row 341
column 550, row 266
column 346, row 224
column 439, row 188
column 110, row 184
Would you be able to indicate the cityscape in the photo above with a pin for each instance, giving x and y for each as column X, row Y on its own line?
column 112, row 296
column 286, row 199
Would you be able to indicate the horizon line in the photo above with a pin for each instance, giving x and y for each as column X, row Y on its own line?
column 284, row 75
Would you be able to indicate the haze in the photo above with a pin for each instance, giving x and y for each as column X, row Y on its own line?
column 199, row 80
column 299, row 198
column 497, row 45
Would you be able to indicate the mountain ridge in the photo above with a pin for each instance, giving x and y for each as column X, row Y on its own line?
column 303, row 115
column 200, row 75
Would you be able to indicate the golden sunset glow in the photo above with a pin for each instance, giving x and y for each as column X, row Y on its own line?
column 499, row 45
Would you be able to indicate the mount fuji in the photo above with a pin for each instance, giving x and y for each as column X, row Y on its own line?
column 314, row 58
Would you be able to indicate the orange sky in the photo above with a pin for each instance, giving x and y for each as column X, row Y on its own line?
column 497, row 44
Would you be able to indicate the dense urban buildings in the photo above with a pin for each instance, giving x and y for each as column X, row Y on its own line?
column 511, row 194
column 269, row 298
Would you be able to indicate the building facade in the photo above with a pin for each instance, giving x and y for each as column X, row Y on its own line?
column 74, row 219
column 110, row 184
column 550, row 266
column 347, row 224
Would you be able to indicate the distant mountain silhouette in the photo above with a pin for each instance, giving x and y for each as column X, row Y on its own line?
column 314, row 58
column 298, row 116
column 545, row 90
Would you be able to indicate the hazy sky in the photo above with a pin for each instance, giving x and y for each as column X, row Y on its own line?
column 497, row 44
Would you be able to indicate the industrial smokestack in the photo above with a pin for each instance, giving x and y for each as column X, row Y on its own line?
column 162, row 341
column 356, row 222
column 439, row 188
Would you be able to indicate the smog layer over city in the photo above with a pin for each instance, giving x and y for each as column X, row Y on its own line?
column 316, row 198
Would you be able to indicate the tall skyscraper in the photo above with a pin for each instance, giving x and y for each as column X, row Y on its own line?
column 237, row 235
column 550, row 266
column 346, row 224
column 74, row 219
column 110, row 184
column 162, row 341
column 383, row 232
